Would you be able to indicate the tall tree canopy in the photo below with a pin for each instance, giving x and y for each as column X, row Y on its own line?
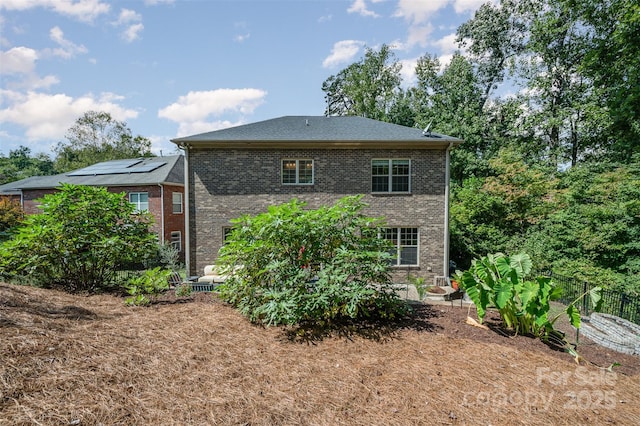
column 21, row 164
column 366, row 88
column 96, row 137
column 546, row 96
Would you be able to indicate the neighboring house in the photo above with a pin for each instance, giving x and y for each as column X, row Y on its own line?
column 403, row 173
column 155, row 184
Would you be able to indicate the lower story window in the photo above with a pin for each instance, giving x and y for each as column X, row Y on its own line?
column 176, row 240
column 405, row 241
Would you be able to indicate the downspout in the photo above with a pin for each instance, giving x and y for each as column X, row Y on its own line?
column 187, row 235
column 161, row 213
column 445, row 270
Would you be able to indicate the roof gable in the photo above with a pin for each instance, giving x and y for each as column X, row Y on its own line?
column 343, row 129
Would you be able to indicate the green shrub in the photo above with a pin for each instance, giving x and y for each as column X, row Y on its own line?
column 79, row 240
column 292, row 265
column 146, row 287
column 184, row 290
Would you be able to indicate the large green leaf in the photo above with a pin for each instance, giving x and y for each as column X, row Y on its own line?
column 574, row 315
column 503, row 293
column 529, row 291
column 502, row 265
column 521, row 263
column 595, row 294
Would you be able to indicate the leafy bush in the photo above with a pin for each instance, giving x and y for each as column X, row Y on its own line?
column 184, row 290
column 79, row 240
column 11, row 214
column 144, row 288
column 291, row 265
column 498, row 280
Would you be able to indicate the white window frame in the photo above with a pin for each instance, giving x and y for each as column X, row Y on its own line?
column 397, row 262
column 297, row 171
column 390, row 175
column 137, row 203
column 176, row 240
column 174, row 204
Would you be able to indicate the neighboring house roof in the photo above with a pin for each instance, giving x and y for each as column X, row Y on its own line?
column 343, row 130
column 131, row 172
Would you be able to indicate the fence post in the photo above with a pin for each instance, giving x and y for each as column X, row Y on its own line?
column 623, row 300
column 585, row 304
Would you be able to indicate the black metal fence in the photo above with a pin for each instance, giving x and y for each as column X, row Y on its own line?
column 615, row 303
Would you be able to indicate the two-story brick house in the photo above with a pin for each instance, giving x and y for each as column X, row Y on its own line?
column 402, row 172
column 155, row 184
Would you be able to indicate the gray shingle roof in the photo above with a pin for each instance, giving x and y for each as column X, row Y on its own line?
column 108, row 174
column 316, row 129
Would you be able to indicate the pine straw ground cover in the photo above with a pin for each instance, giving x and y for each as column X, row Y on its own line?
column 78, row 360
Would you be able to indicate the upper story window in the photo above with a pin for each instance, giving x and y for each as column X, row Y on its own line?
column 140, row 200
column 405, row 241
column 391, row 175
column 297, row 172
column 177, row 202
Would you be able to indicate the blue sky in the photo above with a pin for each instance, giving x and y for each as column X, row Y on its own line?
column 171, row 68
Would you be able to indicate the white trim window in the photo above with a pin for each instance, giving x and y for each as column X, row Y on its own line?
column 176, row 240
column 406, row 245
column 391, row 175
column 297, row 172
column 140, row 200
column 176, row 202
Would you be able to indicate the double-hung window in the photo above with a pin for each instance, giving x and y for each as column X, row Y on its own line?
column 140, row 200
column 405, row 241
column 176, row 200
column 297, row 172
column 391, row 175
column 176, row 240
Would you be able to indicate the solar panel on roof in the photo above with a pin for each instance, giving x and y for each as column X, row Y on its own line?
column 105, row 168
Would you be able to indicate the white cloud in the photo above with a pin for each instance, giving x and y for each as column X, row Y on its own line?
column 343, row 51
column 360, row 7
column 82, row 10
column 408, row 71
column 132, row 32
column 18, row 60
column 46, row 116
column 132, row 23
column 418, row 12
column 156, row 2
column 127, row 16
column 419, row 34
column 197, row 127
column 242, row 37
column 67, row 48
column 447, row 44
column 461, row 6
column 194, row 110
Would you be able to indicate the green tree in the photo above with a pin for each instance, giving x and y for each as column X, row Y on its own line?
column 22, row 164
column 97, row 137
column 450, row 102
column 611, row 32
column 494, row 38
column 78, row 242
column 594, row 231
column 366, row 88
column 496, row 212
column 293, row 266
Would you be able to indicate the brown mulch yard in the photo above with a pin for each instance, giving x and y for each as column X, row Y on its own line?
column 88, row 360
